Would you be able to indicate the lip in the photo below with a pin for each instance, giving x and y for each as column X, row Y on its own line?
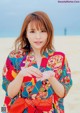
column 38, row 42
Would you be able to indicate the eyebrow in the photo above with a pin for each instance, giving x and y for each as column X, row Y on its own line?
column 31, row 29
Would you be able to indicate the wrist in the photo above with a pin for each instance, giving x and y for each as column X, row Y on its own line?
column 51, row 78
column 20, row 75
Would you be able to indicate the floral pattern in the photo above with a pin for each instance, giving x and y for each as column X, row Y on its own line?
column 31, row 88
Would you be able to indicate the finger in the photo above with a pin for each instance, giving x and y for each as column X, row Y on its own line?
column 37, row 71
column 35, row 74
column 25, row 72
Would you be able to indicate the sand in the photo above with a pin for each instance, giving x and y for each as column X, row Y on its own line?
column 70, row 45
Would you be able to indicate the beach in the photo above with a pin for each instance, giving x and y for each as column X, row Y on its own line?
column 70, row 45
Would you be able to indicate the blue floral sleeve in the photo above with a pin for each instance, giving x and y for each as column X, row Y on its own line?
column 65, row 78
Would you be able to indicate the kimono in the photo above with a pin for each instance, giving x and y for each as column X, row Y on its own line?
column 33, row 89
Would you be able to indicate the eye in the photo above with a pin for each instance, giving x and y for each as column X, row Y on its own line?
column 32, row 31
column 43, row 30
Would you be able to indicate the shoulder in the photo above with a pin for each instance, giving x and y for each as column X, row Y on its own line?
column 59, row 56
column 17, row 54
column 56, row 53
column 56, row 59
column 14, row 60
column 59, row 53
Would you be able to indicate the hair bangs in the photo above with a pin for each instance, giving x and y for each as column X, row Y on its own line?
column 37, row 23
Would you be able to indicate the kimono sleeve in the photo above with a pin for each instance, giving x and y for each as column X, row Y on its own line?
column 8, row 74
column 65, row 78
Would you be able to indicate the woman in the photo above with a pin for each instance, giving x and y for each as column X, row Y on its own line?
column 36, row 78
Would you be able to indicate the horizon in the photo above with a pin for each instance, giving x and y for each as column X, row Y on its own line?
column 55, row 36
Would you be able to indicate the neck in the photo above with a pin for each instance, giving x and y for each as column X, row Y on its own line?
column 37, row 52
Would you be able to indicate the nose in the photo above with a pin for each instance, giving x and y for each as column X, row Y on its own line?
column 38, row 35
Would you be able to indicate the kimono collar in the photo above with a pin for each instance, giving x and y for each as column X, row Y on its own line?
column 45, row 56
column 46, row 53
column 30, row 60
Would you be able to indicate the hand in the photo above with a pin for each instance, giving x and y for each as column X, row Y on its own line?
column 46, row 75
column 29, row 71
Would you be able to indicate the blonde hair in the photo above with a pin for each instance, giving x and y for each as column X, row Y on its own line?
column 39, row 19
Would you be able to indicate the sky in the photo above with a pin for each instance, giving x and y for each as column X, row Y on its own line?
column 63, row 15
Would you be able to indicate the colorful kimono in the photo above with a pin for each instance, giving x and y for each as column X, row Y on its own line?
column 31, row 88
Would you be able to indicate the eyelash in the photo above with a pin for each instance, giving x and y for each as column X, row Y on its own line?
column 43, row 30
column 34, row 31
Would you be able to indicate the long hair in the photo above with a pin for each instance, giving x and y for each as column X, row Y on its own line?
column 39, row 19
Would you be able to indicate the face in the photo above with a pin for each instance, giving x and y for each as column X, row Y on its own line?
column 37, row 37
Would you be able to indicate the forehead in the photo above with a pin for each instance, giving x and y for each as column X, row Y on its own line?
column 36, row 24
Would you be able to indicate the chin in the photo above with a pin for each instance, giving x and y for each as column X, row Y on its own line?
column 38, row 47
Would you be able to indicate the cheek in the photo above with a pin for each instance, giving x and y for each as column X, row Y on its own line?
column 45, row 41
column 30, row 40
column 29, row 37
column 45, row 38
